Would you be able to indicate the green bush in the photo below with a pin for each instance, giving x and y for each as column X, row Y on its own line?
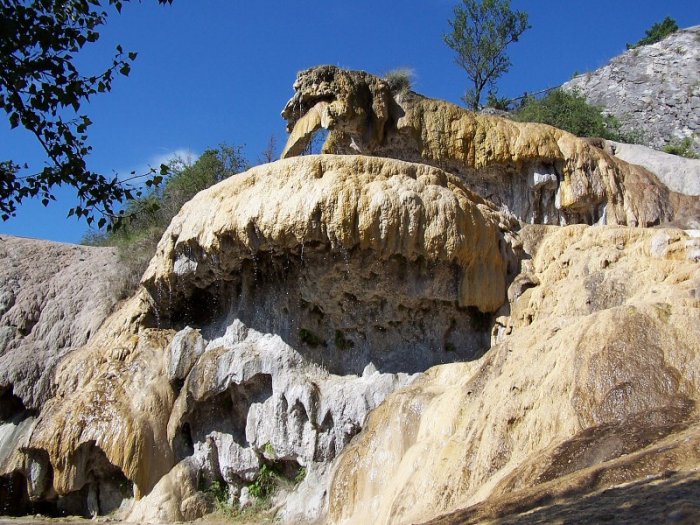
column 570, row 112
column 219, row 492
column 265, row 483
column 496, row 102
column 147, row 217
column 683, row 148
column 300, row 475
column 657, row 32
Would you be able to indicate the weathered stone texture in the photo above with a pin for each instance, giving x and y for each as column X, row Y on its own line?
column 53, row 296
column 653, row 90
column 541, row 174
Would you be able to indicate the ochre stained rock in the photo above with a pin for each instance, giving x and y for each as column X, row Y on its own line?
column 388, row 207
column 113, row 397
column 540, row 173
column 201, row 371
column 594, row 374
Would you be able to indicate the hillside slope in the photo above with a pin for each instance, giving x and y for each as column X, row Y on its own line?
column 653, row 90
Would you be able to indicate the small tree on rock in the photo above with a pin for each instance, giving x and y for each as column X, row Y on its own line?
column 481, row 32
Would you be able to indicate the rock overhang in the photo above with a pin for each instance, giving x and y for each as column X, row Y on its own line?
column 340, row 204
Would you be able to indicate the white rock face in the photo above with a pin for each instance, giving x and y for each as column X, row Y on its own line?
column 53, row 296
column 678, row 173
column 251, row 398
column 186, row 347
column 653, row 90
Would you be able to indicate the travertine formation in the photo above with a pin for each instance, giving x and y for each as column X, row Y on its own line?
column 653, row 90
column 540, row 173
column 368, row 324
column 48, row 309
column 592, row 382
column 281, row 307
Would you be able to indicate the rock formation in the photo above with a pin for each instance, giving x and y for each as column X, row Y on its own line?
column 591, row 383
column 541, row 174
column 654, row 90
column 281, row 307
column 53, row 297
column 369, row 324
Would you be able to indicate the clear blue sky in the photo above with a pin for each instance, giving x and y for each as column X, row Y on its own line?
column 220, row 71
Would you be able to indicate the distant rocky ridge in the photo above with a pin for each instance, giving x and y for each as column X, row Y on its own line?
column 654, row 90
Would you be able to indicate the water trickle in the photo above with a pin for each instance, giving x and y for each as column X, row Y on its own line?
column 254, row 257
column 346, row 258
column 157, row 303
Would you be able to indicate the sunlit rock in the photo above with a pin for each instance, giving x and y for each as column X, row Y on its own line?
column 594, row 380
column 495, row 157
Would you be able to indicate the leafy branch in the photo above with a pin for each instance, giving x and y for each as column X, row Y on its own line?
column 42, row 91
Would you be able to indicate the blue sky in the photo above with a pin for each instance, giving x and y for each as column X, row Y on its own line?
column 220, row 71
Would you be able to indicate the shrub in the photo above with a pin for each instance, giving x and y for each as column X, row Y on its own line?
column 400, row 79
column 570, row 112
column 148, row 217
column 496, row 102
column 657, row 32
column 265, row 483
column 683, row 148
column 300, row 475
column 219, row 492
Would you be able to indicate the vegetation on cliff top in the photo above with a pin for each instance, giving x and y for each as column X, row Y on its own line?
column 42, row 90
column 570, row 112
column 481, row 32
column 147, row 217
column 657, row 32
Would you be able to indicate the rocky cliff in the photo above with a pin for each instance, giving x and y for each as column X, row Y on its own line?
column 381, row 340
column 654, row 90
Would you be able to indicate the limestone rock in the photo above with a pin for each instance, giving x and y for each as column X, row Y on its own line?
column 311, row 248
column 678, row 173
column 495, row 157
column 387, row 207
column 595, row 381
column 654, row 90
column 196, row 506
column 255, row 399
column 53, row 296
column 282, row 306
column 186, row 347
column 107, row 422
column 174, row 498
column 290, row 313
